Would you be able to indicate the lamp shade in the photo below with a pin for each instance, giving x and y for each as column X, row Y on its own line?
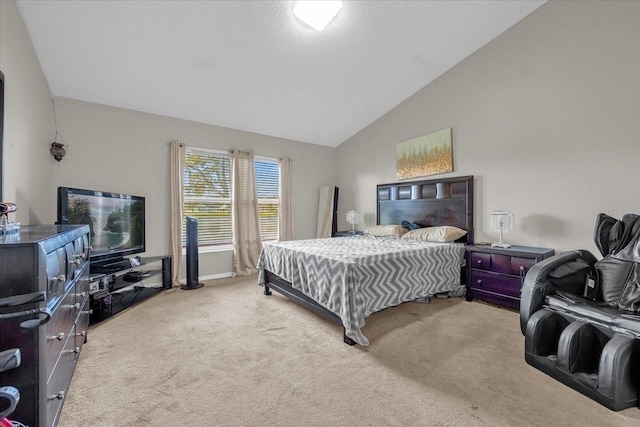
column 502, row 222
column 354, row 217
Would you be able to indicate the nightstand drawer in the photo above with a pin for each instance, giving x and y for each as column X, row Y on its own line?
column 495, row 283
column 480, row 260
column 520, row 266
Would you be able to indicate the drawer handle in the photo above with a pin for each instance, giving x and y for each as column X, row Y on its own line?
column 479, row 261
column 58, row 396
column 43, row 316
column 81, row 334
column 58, row 337
column 60, row 278
column 479, row 282
column 75, row 350
column 87, row 312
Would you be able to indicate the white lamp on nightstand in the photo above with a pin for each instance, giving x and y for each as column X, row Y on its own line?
column 501, row 221
column 353, row 218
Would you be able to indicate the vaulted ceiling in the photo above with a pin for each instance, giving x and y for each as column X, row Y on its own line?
column 251, row 65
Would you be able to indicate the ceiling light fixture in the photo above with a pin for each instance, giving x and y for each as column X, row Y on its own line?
column 317, row 14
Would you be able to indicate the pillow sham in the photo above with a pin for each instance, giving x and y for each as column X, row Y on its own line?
column 386, row 230
column 442, row 234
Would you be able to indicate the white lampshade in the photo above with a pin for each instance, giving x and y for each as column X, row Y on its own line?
column 502, row 222
column 317, row 14
column 353, row 218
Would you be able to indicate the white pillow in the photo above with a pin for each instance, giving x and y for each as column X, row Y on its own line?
column 442, row 234
column 386, row 230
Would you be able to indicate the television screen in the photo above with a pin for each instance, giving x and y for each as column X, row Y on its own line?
column 116, row 221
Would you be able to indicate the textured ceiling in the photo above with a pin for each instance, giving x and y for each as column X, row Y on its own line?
column 251, row 65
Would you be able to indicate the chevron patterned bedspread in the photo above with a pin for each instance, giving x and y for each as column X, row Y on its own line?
column 359, row 275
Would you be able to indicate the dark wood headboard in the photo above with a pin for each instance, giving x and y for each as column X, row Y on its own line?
column 433, row 202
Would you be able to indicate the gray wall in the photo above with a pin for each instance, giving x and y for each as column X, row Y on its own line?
column 546, row 117
column 28, row 123
column 113, row 149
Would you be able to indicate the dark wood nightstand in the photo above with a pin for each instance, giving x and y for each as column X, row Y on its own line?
column 347, row 233
column 495, row 275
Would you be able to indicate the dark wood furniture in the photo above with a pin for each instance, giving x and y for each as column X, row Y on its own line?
column 47, row 267
column 112, row 293
column 496, row 275
column 434, row 202
column 347, row 233
column 445, row 201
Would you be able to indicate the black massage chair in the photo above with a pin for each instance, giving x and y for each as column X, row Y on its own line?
column 581, row 317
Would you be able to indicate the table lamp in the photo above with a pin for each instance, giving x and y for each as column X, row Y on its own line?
column 353, row 218
column 501, row 221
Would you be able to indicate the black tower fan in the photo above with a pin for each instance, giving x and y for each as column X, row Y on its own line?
column 192, row 255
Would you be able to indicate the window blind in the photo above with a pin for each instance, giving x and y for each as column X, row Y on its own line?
column 207, row 195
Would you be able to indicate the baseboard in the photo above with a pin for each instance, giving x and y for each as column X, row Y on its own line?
column 209, row 277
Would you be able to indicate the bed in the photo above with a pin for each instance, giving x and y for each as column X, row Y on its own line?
column 345, row 279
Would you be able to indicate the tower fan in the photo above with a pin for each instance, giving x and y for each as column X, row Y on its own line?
column 192, row 255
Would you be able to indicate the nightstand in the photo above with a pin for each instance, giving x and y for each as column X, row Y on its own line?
column 496, row 275
column 347, row 233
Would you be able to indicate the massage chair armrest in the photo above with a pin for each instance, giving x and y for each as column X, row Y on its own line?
column 566, row 271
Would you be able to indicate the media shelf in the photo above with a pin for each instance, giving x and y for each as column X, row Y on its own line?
column 125, row 285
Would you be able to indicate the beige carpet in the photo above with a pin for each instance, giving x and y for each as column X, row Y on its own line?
column 226, row 355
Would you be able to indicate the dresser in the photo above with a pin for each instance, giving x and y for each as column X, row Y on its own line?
column 495, row 275
column 44, row 274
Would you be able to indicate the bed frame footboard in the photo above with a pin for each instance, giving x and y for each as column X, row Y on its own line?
column 273, row 281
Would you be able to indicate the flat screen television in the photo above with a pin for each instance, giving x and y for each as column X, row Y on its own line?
column 116, row 222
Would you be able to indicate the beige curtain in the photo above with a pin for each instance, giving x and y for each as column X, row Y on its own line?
column 178, row 150
column 285, row 209
column 245, row 219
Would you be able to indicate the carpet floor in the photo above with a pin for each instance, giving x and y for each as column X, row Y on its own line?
column 226, row 355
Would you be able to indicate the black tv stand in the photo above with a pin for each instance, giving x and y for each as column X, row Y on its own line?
column 114, row 290
column 109, row 266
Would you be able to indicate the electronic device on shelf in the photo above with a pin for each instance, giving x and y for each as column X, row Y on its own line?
column 116, row 222
column 135, row 276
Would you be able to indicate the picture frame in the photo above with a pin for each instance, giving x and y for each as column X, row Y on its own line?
column 425, row 155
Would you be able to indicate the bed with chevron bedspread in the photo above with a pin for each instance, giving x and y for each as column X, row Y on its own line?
column 356, row 276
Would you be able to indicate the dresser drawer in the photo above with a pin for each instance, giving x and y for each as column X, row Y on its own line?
column 56, row 273
column 501, row 263
column 58, row 383
column 480, row 260
column 502, row 285
column 520, row 266
column 59, row 328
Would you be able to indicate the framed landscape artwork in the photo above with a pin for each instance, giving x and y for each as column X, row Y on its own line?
column 425, row 155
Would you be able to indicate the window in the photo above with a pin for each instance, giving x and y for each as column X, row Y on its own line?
column 267, row 186
column 207, row 195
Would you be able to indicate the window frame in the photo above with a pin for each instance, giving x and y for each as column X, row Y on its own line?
column 228, row 245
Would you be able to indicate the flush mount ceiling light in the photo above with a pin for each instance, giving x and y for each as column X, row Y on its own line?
column 317, row 14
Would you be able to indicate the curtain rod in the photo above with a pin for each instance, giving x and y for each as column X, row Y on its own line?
column 212, row 150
